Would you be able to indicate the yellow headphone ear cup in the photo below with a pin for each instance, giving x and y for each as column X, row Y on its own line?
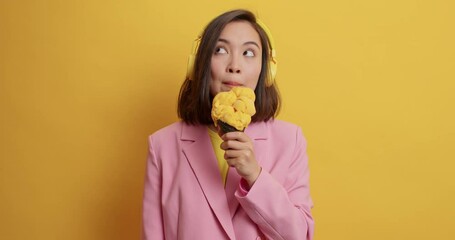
column 190, row 67
column 272, row 71
column 272, row 62
column 192, row 59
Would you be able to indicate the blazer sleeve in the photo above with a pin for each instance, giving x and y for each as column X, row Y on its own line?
column 152, row 217
column 282, row 210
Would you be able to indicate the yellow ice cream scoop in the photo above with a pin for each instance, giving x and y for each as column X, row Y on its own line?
column 234, row 108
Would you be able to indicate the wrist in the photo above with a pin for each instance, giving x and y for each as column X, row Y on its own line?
column 253, row 177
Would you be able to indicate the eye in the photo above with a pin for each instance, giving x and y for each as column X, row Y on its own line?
column 220, row 50
column 248, row 53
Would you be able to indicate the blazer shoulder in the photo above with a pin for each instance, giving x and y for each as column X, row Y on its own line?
column 283, row 126
column 167, row 133
column 283, row 130
column 171, row 128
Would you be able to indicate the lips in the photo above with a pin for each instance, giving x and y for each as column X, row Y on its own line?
column 232, row 83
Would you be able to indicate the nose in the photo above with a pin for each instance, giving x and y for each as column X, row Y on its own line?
column 234, row 70
column 234, row 65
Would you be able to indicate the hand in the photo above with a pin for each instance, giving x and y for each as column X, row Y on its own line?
column 239, row 153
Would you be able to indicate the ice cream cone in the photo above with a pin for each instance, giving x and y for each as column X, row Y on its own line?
column 224, row 128
column 232, row 110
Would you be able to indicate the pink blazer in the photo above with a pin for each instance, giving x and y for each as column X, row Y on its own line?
column 184, row 197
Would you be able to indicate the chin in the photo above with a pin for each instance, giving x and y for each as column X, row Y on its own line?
column 224, row 88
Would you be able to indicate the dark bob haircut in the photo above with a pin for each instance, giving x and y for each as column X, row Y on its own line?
column 195, row 101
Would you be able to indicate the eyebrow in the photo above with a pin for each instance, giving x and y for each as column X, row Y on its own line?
column 245, row 43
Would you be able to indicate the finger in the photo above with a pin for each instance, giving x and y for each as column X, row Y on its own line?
column 238, row 155
column 234, row 144
column 239, row 136
column 231, row 154
column 233, row 162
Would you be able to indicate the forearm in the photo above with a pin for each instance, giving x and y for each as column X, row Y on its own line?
column 278, row 213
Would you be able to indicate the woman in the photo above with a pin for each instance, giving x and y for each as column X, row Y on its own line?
column 244, row 185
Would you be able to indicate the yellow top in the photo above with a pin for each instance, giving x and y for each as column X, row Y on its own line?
column 219, row 153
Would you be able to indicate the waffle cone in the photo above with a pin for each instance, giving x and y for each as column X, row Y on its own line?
column 224, row 128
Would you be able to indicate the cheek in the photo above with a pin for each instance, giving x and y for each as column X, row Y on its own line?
column 253, row 77
column 215, row 68
column 254, row 72
column 256, row 67
column 258, row 70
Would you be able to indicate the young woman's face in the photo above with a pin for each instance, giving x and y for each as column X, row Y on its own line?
column 237, row 58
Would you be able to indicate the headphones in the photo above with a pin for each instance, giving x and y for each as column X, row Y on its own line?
column 272, row 60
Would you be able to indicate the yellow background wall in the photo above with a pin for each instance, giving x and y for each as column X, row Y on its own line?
column 82, row 84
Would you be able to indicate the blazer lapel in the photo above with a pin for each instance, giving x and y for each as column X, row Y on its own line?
column 200, row 155
column 232, row 182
